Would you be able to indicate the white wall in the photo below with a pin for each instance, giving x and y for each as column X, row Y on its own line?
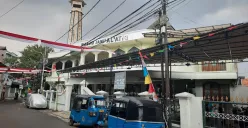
column 2, row 55
column 239, row 91
column 190, row 110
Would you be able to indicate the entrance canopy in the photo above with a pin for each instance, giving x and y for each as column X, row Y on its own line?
column 223, row 44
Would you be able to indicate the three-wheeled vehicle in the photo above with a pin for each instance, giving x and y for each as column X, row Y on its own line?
column 88, row 111
column 135, row 112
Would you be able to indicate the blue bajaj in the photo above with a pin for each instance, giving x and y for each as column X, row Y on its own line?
column 88, row 111
column 135, row 112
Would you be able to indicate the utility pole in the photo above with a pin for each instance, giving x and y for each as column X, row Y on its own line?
column 43, row 68
column 166, row 52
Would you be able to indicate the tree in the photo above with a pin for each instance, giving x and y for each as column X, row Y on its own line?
column 11, row 61
column 32, row 56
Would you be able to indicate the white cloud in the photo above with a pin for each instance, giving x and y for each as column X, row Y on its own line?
column 36, row 20
column 232, row 14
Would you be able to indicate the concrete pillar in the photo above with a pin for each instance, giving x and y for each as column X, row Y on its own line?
column 68, row 97
column 110, row 54
column 95, row 88
column 63, row 64
column 190, row 110
column 51, row 99
column 73, row 63
column 82, row 58
column 96, row 55
column 46, row 94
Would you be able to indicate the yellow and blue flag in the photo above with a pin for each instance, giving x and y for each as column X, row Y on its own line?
column 148, row 79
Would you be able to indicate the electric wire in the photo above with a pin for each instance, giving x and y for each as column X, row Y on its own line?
column 104, row 19
column 107, row 29
column 94, row 39
column 144, row 16
column 97, row 37
column 80, row 20
column 139, row 14
column 11, row 9
column 133, row 17
column 120, row 21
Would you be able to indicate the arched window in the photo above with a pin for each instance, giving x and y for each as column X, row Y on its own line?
column 59, row 65
column 133, row 49
column 68, row 64
column 118, row 52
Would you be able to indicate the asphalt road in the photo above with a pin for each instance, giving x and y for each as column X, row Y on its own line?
column 13, row 114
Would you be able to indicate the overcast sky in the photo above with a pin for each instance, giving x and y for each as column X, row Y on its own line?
column 49, row 19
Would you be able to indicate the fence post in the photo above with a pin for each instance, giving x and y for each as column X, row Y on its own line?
column 190, row 110
column 51, row 99
column 203, row 113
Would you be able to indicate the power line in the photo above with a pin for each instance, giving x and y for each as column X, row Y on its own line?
column 187, row 18
column 128, row 26
column 79, row 20
column 104, row 19
column 184, row 17
column 110, row 27
column 11, row 9
column 132, row 17
column 94, row 39
column 120, row 21
column 144, row 16
column 143, row 20
column 185, row 4
column 105, row 30
column 139, row 14
column 176, row 4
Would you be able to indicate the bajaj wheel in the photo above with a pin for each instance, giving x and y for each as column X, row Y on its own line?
column 71, row 122
column 97, row 126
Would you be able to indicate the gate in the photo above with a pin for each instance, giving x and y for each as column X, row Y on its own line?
column 225, row 113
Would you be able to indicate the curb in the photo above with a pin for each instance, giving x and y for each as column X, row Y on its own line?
column 54, row 115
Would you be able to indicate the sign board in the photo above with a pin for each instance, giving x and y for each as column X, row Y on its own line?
column 244, row 82
column 120, row 80
column 109, row 40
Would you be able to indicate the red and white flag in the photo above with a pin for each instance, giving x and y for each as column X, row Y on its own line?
column 47, row 43
column 152, row 91
column 18, row 37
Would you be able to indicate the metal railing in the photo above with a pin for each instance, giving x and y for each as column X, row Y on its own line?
column 225, row 114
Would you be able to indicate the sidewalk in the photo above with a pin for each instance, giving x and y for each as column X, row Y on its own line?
column 63, row 115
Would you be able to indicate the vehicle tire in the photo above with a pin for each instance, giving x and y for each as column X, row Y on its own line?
column 71, row 122
column 97, row 126
column 26, row 105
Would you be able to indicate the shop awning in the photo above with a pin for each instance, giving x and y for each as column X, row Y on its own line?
column 223, row 44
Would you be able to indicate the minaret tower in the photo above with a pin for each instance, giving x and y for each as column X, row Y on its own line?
column 75, row 33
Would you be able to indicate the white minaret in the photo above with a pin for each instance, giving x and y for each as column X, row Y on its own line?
column 75, row 34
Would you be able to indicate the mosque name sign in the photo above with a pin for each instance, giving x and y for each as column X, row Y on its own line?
column 110, row 40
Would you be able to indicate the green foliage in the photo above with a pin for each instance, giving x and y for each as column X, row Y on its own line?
column 11, row 61
column 32, row 56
